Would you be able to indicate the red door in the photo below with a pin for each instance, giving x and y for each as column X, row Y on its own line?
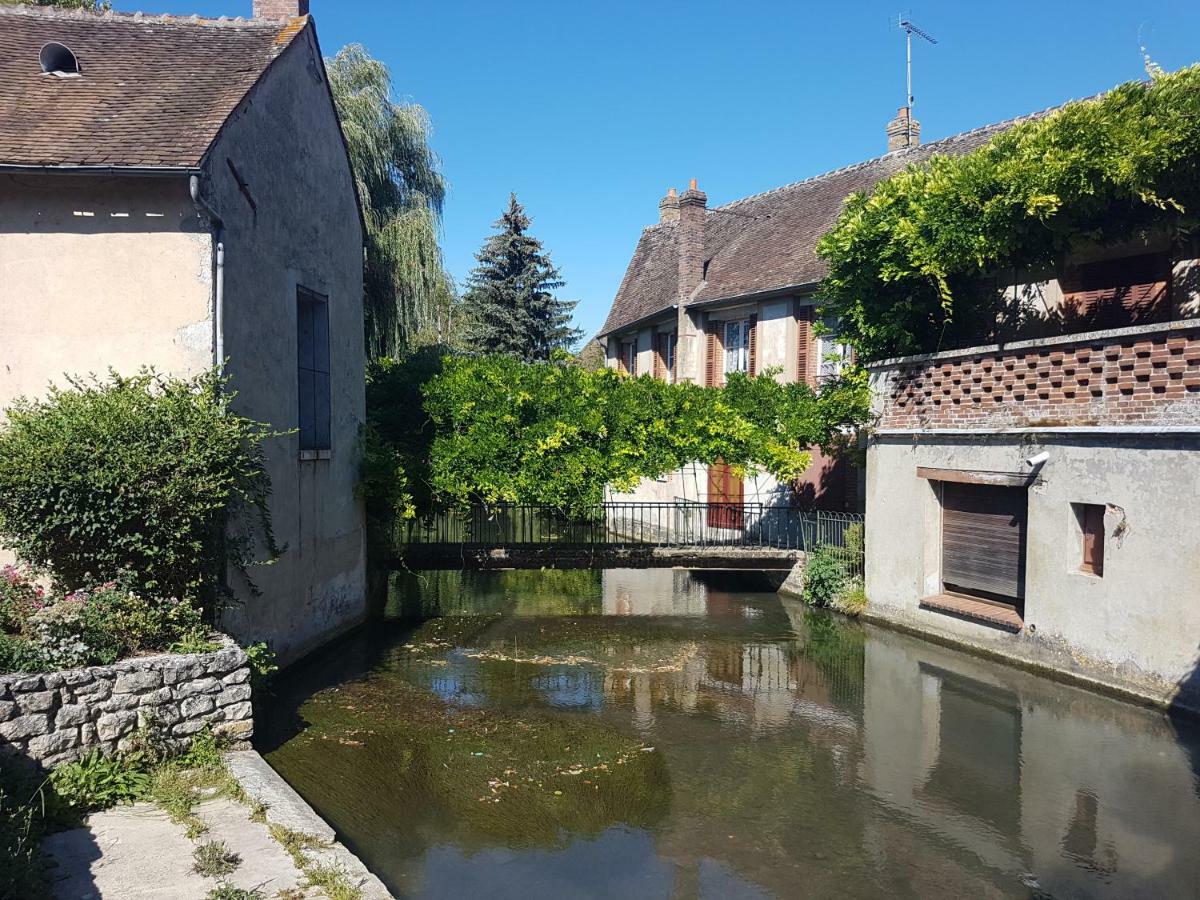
column 725, row 498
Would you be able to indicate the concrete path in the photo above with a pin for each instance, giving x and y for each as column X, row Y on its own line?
column 136, row 852
column 128, row 852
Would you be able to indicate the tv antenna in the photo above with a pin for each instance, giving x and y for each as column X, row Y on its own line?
column 909, row 30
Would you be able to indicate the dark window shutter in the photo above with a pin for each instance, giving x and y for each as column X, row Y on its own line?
column 1113, row 293
column 313, row 371
column 1093, row 538
column 660, row 356
column 983, row 540
column 804, row 340
column 752, row 346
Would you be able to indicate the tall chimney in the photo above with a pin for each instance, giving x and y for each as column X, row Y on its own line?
column 280, row 10
column 689, row 363
column 692, row 207
column 901, row 129
column 668, row 207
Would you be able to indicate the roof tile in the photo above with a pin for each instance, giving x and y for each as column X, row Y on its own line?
column 155, row 90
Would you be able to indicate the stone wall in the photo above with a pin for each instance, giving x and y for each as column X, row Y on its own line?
column 60, row 716
column 1145, row 375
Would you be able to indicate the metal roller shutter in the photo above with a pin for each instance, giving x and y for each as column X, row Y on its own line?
column 983, row 540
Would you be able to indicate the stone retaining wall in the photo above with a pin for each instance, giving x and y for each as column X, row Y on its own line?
column 60, row 716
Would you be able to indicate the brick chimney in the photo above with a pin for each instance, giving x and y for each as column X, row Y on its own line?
column 279, row 10
column 668, row 207
column 692, row 207
column 898, row 131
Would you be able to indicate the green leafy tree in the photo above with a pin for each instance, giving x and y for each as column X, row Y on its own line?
column 510, row 299
column 915, row 264
column 407, row 293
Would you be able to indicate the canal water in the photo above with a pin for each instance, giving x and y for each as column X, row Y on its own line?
column 671, row 734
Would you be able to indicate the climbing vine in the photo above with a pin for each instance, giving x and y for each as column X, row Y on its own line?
column 910, row 261
column 495, row 429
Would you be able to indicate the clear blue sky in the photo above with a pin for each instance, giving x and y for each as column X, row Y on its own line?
column 589, row 111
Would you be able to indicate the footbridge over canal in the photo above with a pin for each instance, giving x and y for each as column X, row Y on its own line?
column 680, row 534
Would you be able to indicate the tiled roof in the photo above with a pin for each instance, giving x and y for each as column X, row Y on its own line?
column 766, row 242
column 155, row 90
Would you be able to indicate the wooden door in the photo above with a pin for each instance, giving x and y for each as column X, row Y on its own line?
column 726, row 498
column 983, row 541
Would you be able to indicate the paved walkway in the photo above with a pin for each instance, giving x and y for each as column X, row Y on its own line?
column 135, row 852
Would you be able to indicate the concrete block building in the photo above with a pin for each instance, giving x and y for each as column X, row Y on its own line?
column 176, row 192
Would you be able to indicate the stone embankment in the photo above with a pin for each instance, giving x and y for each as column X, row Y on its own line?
column 60, row 716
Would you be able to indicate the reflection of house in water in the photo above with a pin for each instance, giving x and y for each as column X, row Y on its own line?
column 653, row 592
column 966, row 752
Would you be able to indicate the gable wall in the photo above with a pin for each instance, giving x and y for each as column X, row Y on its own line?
column 285, row 144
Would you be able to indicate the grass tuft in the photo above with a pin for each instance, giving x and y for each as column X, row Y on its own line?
column 214, row 859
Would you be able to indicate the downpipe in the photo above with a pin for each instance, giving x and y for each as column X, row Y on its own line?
column 218, row 228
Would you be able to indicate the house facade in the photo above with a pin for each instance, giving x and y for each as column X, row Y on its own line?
column 732, row 288
column 1036, row 499
column 176, row 192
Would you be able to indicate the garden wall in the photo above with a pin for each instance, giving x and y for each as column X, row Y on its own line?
column 57, row 717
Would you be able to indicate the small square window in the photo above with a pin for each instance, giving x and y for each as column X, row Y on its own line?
column 1090, row 517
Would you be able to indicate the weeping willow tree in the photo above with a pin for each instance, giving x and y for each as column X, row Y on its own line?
column 407, row 292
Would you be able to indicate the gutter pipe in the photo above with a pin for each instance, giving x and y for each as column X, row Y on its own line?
column 219, row 275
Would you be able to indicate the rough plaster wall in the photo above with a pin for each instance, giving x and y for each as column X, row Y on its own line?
column 904, row 735
column 1141, row 618
column 99, row 273
column 284, row 142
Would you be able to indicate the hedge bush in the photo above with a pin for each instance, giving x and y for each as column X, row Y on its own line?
column 133, row 480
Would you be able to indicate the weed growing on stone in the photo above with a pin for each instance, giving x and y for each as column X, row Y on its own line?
column 229, row 892
column 213, row 859
column 332, row 879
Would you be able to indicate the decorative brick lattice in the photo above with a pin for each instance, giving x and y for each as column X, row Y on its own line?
column 1137, row 379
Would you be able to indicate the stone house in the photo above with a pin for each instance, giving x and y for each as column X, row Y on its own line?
column 733, row 288
column 1036, row 499
column 175, row 192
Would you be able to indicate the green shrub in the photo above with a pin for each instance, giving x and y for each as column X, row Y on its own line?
column 852, row 600
column 130, row 479
column 20, row 598
column 99, row 782
column 824, row 576
column 98, row 627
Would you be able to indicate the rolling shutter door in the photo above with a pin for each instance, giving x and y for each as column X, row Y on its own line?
column 983, row 540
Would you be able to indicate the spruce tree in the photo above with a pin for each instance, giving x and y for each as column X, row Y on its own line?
column 510, row 295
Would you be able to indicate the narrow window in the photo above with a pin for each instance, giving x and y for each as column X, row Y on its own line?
column 1091, row 527
column 736, row 357
column 312, row 341
column 834, row 355
column 629, row 357
column 665, row 357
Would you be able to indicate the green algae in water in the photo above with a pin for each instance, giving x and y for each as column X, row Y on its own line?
column 494, row 777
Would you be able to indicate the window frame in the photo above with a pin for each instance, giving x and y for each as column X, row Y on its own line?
column 739, row 353
column 314, row 407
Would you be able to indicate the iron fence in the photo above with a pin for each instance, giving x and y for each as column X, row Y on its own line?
column 677, row 523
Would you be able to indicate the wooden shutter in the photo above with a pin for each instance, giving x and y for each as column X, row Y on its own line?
column 752, row 345
column 804, row 339
column 983, row 540
column 1118, row 292
column 1093, row 539
column 660, row 356
column 714, row 363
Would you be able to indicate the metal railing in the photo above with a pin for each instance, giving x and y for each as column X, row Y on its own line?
column 677, row 523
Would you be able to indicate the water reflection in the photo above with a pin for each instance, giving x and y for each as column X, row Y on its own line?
column 659, row 733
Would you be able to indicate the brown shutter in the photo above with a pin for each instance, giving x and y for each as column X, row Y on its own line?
column 1093, row 539
column 983, row 540
column 804, row 340
column 660, row 364
column 714, row 369
column 1114, row 293
column 752, row 346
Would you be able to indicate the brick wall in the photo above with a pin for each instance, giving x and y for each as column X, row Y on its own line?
column 1148, row 375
